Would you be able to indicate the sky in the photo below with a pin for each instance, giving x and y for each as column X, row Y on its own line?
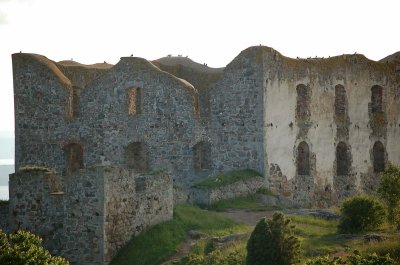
column 208, row 31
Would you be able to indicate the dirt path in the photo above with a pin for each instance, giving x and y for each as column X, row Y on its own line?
column 239, row 216
column 245, row 217
column 184, row 250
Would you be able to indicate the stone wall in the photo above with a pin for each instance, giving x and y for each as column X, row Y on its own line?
column 338, row 129
column 88, row 216
column 237, row 189
column 329, row 125
column 4, row 216
column 237, row 115
column 132, row 205
column 58, row 106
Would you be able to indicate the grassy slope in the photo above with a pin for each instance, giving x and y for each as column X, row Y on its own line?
column 318, row 236
column 161, row 241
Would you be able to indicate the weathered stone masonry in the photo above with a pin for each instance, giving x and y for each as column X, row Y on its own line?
column 318, row 130
column 88, row 216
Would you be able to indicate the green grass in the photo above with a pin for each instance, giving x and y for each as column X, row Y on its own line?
column 265, row 191
column 161, row 241
column 4, row 202
column 318, row 236
column 37, row 169
column 390, row 245
column 226, row 178
column 249, row 203
column 154, row 171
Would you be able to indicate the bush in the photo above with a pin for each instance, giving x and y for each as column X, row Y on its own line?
column 272, row 242
column 354, row 259
column 23, row 248
column 361, row 213
column 389, row 189
column 217, row 257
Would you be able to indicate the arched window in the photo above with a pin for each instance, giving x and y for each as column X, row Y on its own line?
column 340, row 100
column 202, row 159
column 73, row 153
column 137, row 156
column 303, row 101
column 376, row 99
column 303, row 159
column 342, row 159
column 378, row 153
column 134, row 101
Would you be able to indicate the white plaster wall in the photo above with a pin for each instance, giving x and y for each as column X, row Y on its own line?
column 280, row 139
column 393, row 115
column 358, row 88
column 280, row 98
column 322, row 133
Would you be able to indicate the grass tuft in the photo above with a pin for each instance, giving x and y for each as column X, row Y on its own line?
column 4, row 202
column 36, row 169
column 226, row 178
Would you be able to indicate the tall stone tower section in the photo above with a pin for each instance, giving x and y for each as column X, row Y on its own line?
column 237, row 114
column 42, row 99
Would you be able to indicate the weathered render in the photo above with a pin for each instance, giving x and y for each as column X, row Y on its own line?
column 318, row 130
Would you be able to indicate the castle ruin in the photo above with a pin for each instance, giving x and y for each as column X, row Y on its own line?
column 318, row 130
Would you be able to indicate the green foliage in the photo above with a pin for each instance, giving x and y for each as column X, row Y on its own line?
column 37, row 169
column 354, row 259
column 361, row 213
column 23, row 248
column 226, row 178
column 142, row 250
column 389, row 190
column 265, row 191
column 154, row 171
column 4, row 202
column 272, row 242
column 192, row 259
column 217, row 257
column 391, row 246
column 326, row 260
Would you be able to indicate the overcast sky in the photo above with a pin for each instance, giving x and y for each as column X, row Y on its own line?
column 208, row 31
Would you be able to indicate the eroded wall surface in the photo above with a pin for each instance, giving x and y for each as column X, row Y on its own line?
column 88, row 216
column 340, row 127
column 58, row 106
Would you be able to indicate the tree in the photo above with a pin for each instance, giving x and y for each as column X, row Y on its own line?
column 23, row 248
column 361, row 213
column 389, row 190
column 272, row 242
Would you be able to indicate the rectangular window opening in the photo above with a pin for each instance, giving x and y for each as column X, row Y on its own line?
column 134, row 101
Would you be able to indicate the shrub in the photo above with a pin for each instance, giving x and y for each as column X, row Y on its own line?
column 354, row 259
column 361, row 213
column 23, row 247
column 272, row 242
column 389, row 190
column 217, row 257
column 326, row 260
